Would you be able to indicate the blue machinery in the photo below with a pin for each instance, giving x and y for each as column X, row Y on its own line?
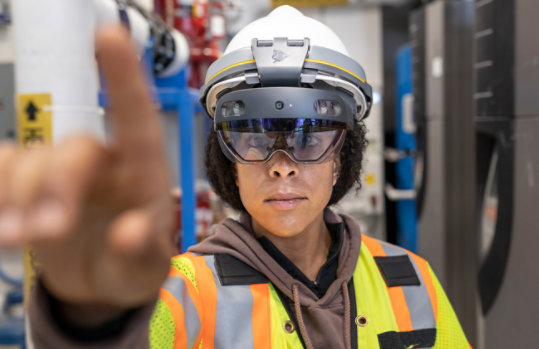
column 165, row 59
column 405, row 143
column 173, row 94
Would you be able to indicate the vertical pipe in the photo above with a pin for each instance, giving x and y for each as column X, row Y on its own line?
column 185, row 125
column 56, row 80
column 54, row 49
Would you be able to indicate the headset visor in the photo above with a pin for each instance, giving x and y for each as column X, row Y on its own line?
column 302, row 139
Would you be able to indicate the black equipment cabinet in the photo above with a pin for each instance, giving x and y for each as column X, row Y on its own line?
column 442, row 44
column 507, row 132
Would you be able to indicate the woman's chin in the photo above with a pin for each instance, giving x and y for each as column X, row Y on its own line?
column 283, row 224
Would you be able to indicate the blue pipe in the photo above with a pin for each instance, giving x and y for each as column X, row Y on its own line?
column 187, row 171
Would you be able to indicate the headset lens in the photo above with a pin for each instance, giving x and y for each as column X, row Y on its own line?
column 304, row 140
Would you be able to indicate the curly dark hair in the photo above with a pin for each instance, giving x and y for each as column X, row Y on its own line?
column 221, row 171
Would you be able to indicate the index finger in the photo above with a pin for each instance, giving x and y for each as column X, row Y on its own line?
column 137, row 129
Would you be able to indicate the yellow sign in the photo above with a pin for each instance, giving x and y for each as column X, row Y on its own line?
column 34, row 119
column 305, row 3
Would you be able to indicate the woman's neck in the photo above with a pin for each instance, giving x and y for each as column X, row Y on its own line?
column 308, row 249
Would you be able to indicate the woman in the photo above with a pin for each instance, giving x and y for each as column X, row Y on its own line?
column 288, row 139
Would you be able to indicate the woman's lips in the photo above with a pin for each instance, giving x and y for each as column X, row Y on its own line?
column 285, row 202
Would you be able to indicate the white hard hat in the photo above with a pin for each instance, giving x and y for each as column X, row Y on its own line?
column 286, row 21
column 288, row 49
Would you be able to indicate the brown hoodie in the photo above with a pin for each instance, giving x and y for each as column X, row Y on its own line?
column 324, row 322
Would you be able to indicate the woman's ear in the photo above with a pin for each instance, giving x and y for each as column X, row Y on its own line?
column 336, row 169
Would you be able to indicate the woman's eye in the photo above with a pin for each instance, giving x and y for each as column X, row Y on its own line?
column 308, row 141
column 257, row 142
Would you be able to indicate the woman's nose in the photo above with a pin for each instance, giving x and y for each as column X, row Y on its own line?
column 282, row 166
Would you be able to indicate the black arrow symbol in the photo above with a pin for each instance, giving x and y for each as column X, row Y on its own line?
column 31, row 110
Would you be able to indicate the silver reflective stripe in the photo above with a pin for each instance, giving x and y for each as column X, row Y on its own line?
column 417, row 297
column 340, row 60
column 176, row 286
column 233, row 321
column 227, row 63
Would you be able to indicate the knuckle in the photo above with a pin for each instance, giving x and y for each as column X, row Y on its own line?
column 78, row 153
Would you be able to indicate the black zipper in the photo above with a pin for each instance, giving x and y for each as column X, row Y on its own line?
column 353, row 313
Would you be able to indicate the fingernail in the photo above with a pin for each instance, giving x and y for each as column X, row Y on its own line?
column 49, row 217
column 10, row 224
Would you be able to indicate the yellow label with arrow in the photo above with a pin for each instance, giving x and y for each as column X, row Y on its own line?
column 34, row 122
column 34, row 118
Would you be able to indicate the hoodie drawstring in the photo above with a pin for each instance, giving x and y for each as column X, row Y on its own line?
column 347, row 319
column 299, row 316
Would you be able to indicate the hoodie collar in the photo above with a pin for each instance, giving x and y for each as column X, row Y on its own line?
column 236, row 239
column 328, row 271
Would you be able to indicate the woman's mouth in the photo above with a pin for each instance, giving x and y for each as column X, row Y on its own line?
column 284, row 202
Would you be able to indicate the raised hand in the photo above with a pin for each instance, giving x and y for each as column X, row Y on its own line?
column 99, row 217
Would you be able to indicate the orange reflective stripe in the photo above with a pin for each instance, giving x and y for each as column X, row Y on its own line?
column 374, row 246
column 193, row 294
column 400, row 309
column 396, row 294
column 423, row 267
column 261, row 316
column 208, row 298
column 176, row 309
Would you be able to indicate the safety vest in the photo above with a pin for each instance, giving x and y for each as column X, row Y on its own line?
column 217, row 301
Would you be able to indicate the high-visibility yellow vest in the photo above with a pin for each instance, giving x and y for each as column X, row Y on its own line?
column 216, row 301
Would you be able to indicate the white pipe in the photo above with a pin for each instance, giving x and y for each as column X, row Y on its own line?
column 107, row 12
column 55, row 55
column 54, row 52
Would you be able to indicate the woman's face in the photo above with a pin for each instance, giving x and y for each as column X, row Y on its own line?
column 283, row 197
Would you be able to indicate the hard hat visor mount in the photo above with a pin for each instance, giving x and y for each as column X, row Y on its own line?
column 304, row 140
